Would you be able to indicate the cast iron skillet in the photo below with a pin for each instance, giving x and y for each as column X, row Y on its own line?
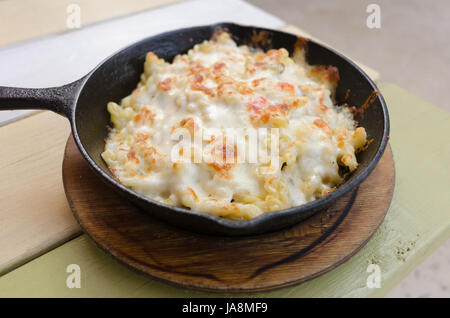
column 84, row 101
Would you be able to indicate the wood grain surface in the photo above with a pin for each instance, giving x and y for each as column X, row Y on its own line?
column 224, row 264
column 34, row 214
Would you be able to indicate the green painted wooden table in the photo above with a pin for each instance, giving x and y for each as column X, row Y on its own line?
column 417, row 223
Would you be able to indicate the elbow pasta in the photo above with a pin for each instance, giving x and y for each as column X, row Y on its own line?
column 218, row 84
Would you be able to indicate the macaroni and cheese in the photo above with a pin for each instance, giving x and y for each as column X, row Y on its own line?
column 221, row 85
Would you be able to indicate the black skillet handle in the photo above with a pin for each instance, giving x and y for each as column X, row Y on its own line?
column 60, row 99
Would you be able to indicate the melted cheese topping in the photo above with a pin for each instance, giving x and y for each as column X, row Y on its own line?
column 218, row 84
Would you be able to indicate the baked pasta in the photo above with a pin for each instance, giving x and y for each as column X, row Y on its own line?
column 219, row 85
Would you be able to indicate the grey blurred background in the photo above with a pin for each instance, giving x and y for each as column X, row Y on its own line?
column 412, row 50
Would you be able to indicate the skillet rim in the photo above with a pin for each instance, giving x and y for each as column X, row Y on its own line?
column 227, row 224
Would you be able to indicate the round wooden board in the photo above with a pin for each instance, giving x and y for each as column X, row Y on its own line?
column 226, row 264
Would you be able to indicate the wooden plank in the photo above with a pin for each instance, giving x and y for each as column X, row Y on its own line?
column 34, row 212
column 30, row 19
column 416, row 224
column 373, row 74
